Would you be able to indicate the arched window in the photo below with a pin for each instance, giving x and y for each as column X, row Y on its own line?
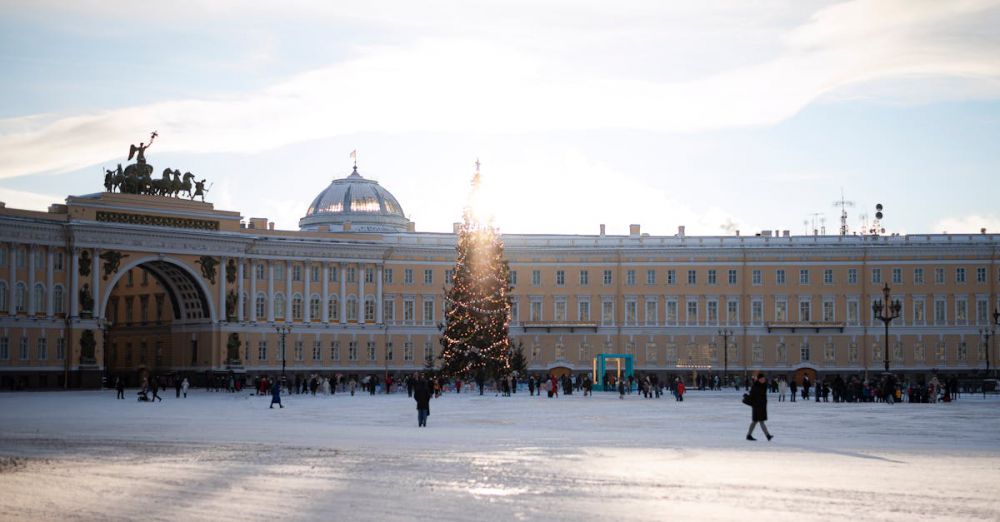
column 314, row 308
column 352, row 308
column 370, row 309
column 334, row 305
column 19, row 295
column 279, row 305
column 260, row 306
column 3, row 296
column 39, row 298
column 297, row 307
column 58, row 298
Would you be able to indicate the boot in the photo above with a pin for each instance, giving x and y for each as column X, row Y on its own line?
column 769, row 436
column 750, row 437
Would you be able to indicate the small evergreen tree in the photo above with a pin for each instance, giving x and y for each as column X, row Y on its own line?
column 475, row 330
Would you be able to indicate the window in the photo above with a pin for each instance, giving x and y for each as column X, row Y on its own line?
column 296, row 272
column 781, row 310
column 876, row 275
column 334, row 274
column 631, row 312
column 918, row 276
column 279, row 306
column 583, row 311
column 961, row 312
column 428, row 276
column 3, row 296
column 39, row 297
column 804, row 277
column 804, row 351
column 607, row 313
column 42, row 348
column 650, row 277
column 298, row 351
column 428, row 312
column 828, row 277
column 651, row 312
column 712, row 315
column 852, row 276
column 756, row 312
column 853, row 315
column 711, row 276
column 334, row 350
column 981, row 274
column 559, row 311
column 732, row 311
column 60, row 348
column 279, row 271
column 607, row 278
column 145, row 278
column 692, row 277
column 584, row 278
column 371, row 351
column 352, row 350
column 940, row 311
column 960, row 275
column 129, row 305
column 939, row 276
column 756, row 278
column 731, row 276
column 387, row 276
column 828, row 315
column 259, row 304
column 333, row 308
column 313, row 273
column 352, row 308
column 262, row 351
column 513, row 277
column 259, row 272
column 317, row 350
column 671, row 277
column 897, row 276
column 408, row 351
column 630, row 278
column 389, row 355
column 692, row 312
column 19, row 298
column 535, row 311
column 671, row 312
column 449, row 276
column 315, row 307
column 57, row 261
column 297, row 307
column 129, row 279
column 352, row 274
column 388, row 311
column 779, row 276
column 919, row 313
column 408, row 311
column 144, row 308
column 428, row 351
column 515, row 310
column 982, row 311
column 369, row 275
column 805, row 307
column 370, row 309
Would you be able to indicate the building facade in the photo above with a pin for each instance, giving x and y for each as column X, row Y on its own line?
column 115, row 284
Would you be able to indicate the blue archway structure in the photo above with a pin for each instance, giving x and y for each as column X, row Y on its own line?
column 622, row 363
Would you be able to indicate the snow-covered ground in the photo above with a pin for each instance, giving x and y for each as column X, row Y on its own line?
column 216, row 456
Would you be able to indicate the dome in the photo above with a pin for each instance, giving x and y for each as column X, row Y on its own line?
column 358, row 201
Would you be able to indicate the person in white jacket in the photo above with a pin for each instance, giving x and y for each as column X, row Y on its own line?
column 184, row 387
column 782, row 387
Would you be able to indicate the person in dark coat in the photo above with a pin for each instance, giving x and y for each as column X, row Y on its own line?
column 120, row 387
column 276, row 394
column 156, row 391
column 422, row 394
column 758, row 403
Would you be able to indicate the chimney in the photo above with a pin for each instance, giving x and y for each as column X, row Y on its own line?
column 633, row 230
column 680, row 231
column 737, row 232
column 411, row 227
column 982, row 230
column 765, row 233
column 786, row 233
column 602, row 229
column 258, row 223
column 455, row 227
column 270, row 225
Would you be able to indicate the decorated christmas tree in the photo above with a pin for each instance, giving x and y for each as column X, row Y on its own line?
column 475, row 330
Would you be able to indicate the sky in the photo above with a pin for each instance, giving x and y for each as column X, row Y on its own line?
column 718, row 116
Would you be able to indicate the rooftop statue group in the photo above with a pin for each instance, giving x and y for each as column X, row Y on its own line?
column 137, row 178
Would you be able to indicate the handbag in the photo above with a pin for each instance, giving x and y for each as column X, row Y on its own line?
column 746, row 399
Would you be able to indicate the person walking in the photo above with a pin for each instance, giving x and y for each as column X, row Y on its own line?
column 184, row 387
column 156, row 391
column 782, row 388
column 758, row 404
column 276, row 394
column 793, row 388
column 680, row 390
column 422, row 394
column 120, row 388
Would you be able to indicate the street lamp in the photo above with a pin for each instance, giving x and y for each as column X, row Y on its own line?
column 986, row 333
column 886, row 310
column 725, row 333
column 283, row 330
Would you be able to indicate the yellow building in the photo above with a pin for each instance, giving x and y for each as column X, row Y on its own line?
column 121, row 284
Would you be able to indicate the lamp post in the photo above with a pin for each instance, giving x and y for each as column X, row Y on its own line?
column 987, row 333
column 725, row 333
column 283, row 330
column 886, row 310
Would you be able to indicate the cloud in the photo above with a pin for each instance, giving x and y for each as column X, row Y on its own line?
column 28, row 200
column 468, row 81
column 970, row 224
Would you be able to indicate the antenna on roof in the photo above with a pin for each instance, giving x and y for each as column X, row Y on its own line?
column 843, row 204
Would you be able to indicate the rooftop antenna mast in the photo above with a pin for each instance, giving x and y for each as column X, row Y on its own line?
column 843, row 204
column 811, row 223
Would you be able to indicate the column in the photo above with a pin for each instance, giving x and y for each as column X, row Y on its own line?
column 253, row 291
column 307, row 297
column 270, row 291
column 378, row 295
column 223, row 316
column 361, row 293
column 30, row 255
column 74, row 283
column 343, row 294
column 50, row 282
column 241, row 296
column 12, row 281
column 95, row 285
column 326, row 292
column 288, row 291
